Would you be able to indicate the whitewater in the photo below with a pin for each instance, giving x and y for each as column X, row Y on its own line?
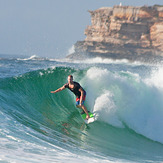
column 37, row 126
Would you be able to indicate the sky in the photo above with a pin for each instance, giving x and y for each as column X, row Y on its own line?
column 49, row 28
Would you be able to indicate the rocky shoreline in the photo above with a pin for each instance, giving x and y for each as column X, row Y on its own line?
column 123, row 32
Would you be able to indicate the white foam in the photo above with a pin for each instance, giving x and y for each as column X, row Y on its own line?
column 100, row 99
column 105, row 109
column 100, row 60
column 129, row 99
column 156, row 78
column 95, row 73
column 11, row 137
column 33, row 57
column 71, row 50
column 41, row 74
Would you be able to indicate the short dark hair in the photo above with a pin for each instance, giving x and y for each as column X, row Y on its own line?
column 70, row 76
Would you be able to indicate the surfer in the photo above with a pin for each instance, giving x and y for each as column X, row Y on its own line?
column 79, row 92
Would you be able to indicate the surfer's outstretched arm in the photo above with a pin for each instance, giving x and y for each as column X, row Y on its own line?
column 58, row 90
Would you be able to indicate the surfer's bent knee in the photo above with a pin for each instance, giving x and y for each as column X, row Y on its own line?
column 79, row 106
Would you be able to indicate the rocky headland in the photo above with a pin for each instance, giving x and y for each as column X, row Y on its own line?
column 123, row 32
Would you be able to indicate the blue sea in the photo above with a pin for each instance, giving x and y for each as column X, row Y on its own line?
column 37, row 126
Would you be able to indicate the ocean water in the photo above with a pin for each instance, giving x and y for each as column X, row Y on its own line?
column 37, row 126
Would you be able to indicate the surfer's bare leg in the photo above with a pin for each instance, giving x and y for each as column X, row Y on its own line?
column 85, row 110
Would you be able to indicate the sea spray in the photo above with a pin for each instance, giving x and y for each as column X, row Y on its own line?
column 71, row 50
column 105, row 110
column 124, row 97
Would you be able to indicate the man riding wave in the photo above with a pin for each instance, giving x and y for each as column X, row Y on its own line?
column 79, row 92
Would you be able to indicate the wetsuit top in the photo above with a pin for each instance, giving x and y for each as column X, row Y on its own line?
column 76, row 88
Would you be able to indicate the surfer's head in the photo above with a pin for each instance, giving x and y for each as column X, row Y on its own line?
column 70, row 79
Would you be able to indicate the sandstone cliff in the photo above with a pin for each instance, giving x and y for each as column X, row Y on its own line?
column 123, row 32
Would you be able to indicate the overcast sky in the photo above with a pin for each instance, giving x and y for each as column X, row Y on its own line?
column 49, row 28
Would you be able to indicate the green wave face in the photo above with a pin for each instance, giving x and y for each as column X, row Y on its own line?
column 115, row 133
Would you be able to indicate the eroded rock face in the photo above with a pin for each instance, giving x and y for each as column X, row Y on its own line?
column 124, row 32
column 156, row 35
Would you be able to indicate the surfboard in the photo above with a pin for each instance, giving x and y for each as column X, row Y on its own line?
column 90, row 120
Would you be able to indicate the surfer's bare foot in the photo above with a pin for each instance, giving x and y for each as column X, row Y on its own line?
column 87, row 117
